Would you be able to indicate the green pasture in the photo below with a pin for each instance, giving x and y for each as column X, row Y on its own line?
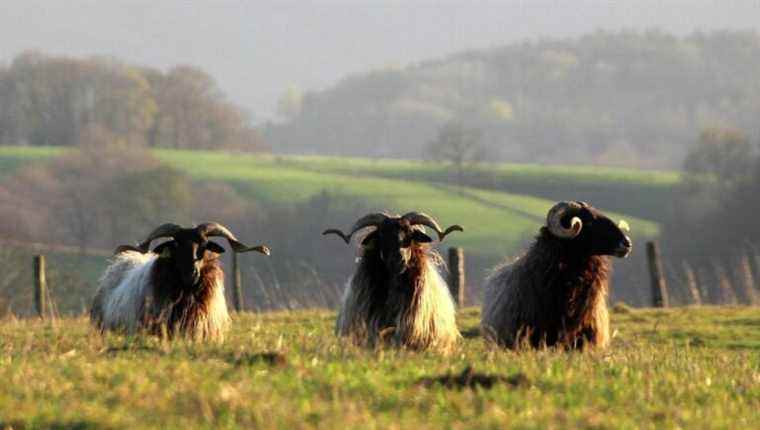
column 497, row 223
column 665, row 369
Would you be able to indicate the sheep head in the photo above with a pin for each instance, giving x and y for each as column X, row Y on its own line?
column 588, row 230
column 394, row 236
column 188, row 248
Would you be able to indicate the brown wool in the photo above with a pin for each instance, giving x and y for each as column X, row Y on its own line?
column 546, row 298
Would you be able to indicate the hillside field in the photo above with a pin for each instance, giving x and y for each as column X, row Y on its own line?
column 488, row 212
column 675, row 368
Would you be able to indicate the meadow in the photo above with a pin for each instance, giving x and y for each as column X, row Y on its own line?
column 489, row 212
column 673, row 368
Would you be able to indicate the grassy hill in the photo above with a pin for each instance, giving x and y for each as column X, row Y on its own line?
column 12, row 157
column 634, row 192
column 677, row 368
column 497, row 222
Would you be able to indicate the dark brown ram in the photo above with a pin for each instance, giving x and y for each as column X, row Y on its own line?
column 556, row 293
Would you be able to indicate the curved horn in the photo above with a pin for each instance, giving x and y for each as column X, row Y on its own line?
column 213, row 229
column 415, row 218
column 164, row 230
column 124, row 248
column 554, row 220
column 371, row 220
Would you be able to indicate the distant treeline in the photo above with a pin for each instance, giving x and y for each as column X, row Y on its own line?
column 46, row 100
column 623, row 98
column 712, row 239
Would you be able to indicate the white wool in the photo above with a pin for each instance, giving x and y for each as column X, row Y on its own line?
column 214, row 323
column 125, row 293
column 433, row 325
column 125, row 287
column 502, row 309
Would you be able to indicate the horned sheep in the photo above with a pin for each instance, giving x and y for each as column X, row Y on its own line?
column 555, row 294
column 396, row 293
column 177, row 288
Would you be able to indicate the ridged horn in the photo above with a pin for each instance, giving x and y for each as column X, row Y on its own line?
column 554, row 220
column 164, row 230
column 418, row 218
column 124, row 248
column 370, row 220
column 213, row 229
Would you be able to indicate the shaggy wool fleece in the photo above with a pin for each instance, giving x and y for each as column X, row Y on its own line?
column 129, row 300
column 414, row 311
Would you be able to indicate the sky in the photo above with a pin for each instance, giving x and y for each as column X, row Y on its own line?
column 257, row 49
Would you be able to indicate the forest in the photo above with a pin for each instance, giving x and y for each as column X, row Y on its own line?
column 52, row 100
column 635, row 99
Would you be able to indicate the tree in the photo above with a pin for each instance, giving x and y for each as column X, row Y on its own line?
column 712, row 214
column 193, row 113
column 290, row 104
column 459, row 145
column 100, row 195
column 721, row 158
column 47, row 100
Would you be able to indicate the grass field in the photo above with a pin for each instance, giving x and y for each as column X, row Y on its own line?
column 486, row 214
column 677, row 368
column 11, row 157
column 635, row 192
column 402, row 186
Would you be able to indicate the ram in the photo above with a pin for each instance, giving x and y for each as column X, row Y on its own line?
column 555, row 294
column 177, row 288
column 396, row 293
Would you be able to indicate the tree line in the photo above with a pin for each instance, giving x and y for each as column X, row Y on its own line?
column 616, row 98
column 712, row 238
column 50, row 100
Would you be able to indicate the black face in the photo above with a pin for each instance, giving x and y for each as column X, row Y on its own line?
column 393, row 240
column 186, row 252
column 599, row 235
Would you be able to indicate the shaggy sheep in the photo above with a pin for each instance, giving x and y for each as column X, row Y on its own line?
column 178, row 287
column 556, row 293
column 396, row 292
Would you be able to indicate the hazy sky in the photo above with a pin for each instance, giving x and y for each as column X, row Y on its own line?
column 256, row 49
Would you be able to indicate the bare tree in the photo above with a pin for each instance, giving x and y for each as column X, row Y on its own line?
column 721, row 159
column 98, row 195
column 459, row 145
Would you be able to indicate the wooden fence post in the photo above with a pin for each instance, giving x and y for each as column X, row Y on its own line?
column 40, row 286
column 754, row 263
column 746, row 280
column 237, row 283
column 691, row 283
column 456, row 275
column 659, row 288
column 726, row 292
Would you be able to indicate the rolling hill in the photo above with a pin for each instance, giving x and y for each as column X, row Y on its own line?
column 497, row 222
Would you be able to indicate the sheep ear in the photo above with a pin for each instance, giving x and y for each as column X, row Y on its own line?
column 370, row 240
column 214, row 247
column 420, row 237
column 164, row 250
